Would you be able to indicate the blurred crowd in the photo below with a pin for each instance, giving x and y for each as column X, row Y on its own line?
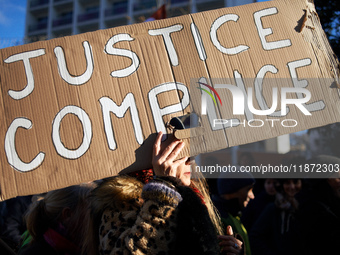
column 144, row 214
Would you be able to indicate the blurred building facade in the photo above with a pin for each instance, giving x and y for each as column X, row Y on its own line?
column 47, row 19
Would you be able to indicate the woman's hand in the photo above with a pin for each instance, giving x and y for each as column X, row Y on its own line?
column 229, row 244
column 164, row 162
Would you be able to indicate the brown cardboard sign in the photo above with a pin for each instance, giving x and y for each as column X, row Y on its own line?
column 85, row 107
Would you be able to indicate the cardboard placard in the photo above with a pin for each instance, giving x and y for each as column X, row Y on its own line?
column 85, row 107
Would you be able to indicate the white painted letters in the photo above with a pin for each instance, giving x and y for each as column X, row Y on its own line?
column 213, row 35
column 165, row 32
column 64, row 73
column 25, row 57
column 109, row 106
column 292, row 66
column 263, row 32
column 157, row 112
column 109, row 49
column 11, row 153
column 87, row 132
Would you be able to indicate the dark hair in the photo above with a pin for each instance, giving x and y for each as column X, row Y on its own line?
column 281, row 181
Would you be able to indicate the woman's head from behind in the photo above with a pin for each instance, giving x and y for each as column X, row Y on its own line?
column 62, row 210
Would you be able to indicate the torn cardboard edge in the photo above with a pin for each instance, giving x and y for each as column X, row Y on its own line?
column 311, row 23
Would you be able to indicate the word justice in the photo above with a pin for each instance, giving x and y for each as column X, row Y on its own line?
column 164, row 32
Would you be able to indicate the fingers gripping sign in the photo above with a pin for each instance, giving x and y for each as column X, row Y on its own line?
column 164, row 161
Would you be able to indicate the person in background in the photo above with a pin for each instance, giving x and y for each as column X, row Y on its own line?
column 234, row 193
column 14, row 225
column 256, row 206
column 4, row 248
column 277, row 230
column 3, row 213
column 55, row 221
column 165, row 210
column 320, row 213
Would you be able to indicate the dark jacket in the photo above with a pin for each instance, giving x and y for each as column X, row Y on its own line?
column 320, row 219
column 276, row 232
column 14, row 224
column 254, row 209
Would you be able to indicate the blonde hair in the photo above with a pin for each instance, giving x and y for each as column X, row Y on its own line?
column 201, row 184
column 112, row 192
column 46, row 211
column 117, row 189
